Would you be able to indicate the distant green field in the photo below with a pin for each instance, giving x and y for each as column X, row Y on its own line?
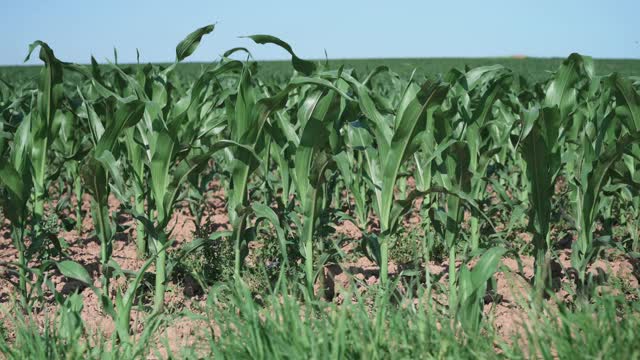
column 532, row 68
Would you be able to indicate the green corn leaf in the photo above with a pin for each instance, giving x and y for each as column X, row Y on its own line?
column 110, row 164
column 472, row 287
column 382, row 130
column 303, row 66
column 161, row 161
column 418, row 101
column 542, row 165
column 472, row 78
column 51, row 90
column 73, row 270
column 235, row 50
column 126, row 116
column 124, row 303
column 48, row 102
column 562, row 90
column 14, row 205
column 627, row 102
column 187, row 46
column 601, row 173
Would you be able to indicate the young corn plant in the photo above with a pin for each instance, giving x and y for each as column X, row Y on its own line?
column 70, row 147
column 100, row 170
column 121, row 307
column 452, row 174
column 24, row 172
column 628, row 110
column 319, row 116
column 167, row 133
column 594, row 173
column 50, row 95
column 139, row 175
column 472, row 288
column 245, row 128
column 247, row 121
column 462, row 126
column 350, row 161
column 16, row 189
column 350, row 165
column 169, row 171
column 396, row 141
column 601, row 135
column 482, row 135
column 542, row 138
column 172, row 135
column 153, row 85
column 541, row 152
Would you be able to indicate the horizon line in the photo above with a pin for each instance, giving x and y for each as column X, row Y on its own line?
column 511, row 57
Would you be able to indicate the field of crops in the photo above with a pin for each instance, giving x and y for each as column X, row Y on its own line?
column 314, row 210
column 534, row 69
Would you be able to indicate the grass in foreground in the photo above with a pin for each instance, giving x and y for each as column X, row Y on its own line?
column 236, row 324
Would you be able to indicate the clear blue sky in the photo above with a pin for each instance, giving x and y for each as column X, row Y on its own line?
column 76, row 29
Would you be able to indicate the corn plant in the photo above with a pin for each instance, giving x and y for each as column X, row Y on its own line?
column 319, row 116
column 170, row 165
column 396, row 143
column 472, row 287
column 603, row 145
column 70, row 147
column 246, row 127
column 120, row 308
column 350, row 164
column 541, row 152
column 168, row 145
column 99, row 169
column 24, row 170
column 50, row 95
column 541, row 147
column 16, row 181
column 350, row 161
column 482, row 134
column 452, row 173
column 628, row 110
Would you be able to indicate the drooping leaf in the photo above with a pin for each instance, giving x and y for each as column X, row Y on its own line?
column 187, row 46
column 303, row 66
